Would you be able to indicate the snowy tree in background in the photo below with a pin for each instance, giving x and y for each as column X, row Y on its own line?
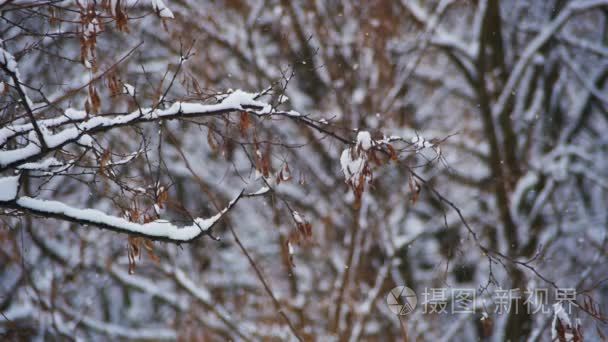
column 270, row 170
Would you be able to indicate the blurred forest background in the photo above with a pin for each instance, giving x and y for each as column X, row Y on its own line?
column 489, row 119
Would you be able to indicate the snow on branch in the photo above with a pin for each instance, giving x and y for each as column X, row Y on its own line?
column 235, row 101
column 162, row 10
column 562, row 328
column 118, row 331
column 70, row 115
column 159, row 230
column 354, row 163
column 538, row 42
column 9, row 65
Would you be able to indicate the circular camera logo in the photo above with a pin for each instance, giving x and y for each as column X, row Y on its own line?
column 401, row 300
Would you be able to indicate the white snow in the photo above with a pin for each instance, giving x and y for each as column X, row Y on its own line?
column 8, row 188
column 129, row 89
column 298, row 217
column 262, row 191
column 351, row 167
column 11, row 156
column 43, row 165
column 529, row 180
column 86, row 140
column 364, row 140
column 70, row 114
column 359, row 95
column 560, row 313
column 158, row 228
column 162, row 9
column 118, row 332
column 421, row 143
column 8, row 60
column 199, row 292
column 531, row 49
column 235, row 101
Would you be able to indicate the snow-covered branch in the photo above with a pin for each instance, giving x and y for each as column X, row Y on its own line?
column 532, row 48
column 83, row 126
column 160, row 230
